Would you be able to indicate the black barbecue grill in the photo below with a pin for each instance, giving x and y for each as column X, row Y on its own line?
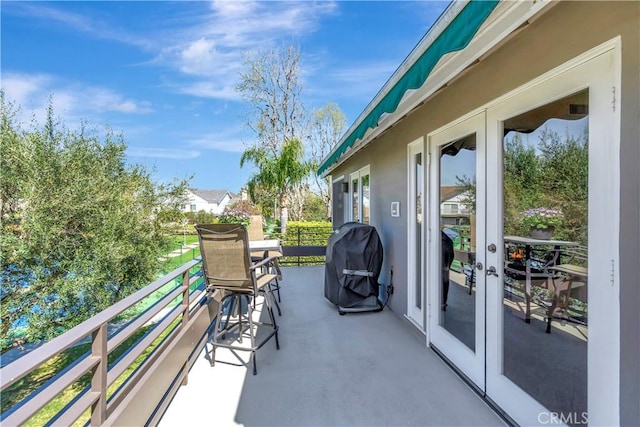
column 354, row 261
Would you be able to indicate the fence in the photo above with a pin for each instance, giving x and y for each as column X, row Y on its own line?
column 145, row 359
column 303, row 245
column 107, row 384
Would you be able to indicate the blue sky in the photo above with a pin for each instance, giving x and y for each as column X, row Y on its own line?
column 163, row 73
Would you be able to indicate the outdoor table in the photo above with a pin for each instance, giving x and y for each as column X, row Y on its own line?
column 265, row 245
column 529, row 243
column 271, row 248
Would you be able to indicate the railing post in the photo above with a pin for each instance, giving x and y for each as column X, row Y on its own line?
column 185, row 298
column 185, row 313
column 99, row 375
column 299, row 245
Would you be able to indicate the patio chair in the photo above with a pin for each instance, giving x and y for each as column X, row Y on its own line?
column 228, row 270
column 564, row 280
column 256, row 232
column 447, row 258
column 468, row 260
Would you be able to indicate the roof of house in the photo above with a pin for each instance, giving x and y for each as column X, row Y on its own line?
column 460, row 38
column 449, row 192
column 212, row 196
column 453, row 31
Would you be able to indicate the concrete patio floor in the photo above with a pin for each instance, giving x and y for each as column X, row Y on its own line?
column 364, row 369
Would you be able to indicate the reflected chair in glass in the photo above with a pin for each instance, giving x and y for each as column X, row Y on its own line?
column 522, row 266
column 565, row 280
column 229, row 272
column 468, row 260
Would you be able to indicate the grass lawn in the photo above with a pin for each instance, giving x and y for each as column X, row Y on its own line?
column 175, row 262
column 177, row 240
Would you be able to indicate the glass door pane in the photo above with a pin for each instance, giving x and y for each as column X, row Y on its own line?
column 545, row 210
column 365, row 199
column 458, row 238
column 415, row 234
column 355, row 200
column 457, row 220
column 418, row 184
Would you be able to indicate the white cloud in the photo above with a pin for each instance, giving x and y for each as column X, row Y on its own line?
column 72, row 100
column 205, row 45
column 229, row 140
column 105, row 100
column 363, row 79
column 211, row 52
column 207, row 89
column 96, row 28
column 164, row 153
column 232, row 8
column 203, row 58
column 22, row 87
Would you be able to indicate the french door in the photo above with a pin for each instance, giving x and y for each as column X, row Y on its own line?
column 534, row 347
column 548, row 368
column 457, row 215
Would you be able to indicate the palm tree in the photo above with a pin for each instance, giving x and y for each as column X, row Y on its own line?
column 278, row 172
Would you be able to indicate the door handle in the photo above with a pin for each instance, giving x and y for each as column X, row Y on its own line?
column 478, row 266
column 491, row 271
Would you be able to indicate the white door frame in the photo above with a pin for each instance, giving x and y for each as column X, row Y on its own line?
column 415, row 308
column 599, row 71
column 470, row 363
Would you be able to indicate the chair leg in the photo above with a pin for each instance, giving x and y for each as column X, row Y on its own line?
column 278, row 272
column 212, row 353
column 242, row 305
column 216, row 329
column 552, row 308
column 251, row 333
column 239, row 312
column 272, row 316
column 277, row 287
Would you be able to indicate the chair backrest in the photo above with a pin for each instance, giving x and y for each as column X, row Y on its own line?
column 225, row 256
column 256, row 232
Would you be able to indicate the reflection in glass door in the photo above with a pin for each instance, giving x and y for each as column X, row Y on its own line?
column 550, row 349
column 458, row 238
column 456, row 280
column 545, row 210
column 359, row 189
column 355, row 199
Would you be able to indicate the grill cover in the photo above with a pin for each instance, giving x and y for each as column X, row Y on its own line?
column 354, row 261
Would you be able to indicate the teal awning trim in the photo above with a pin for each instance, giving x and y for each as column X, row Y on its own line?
column 456, row 36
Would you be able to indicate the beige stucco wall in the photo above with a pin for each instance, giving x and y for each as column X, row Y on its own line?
column 565, row 31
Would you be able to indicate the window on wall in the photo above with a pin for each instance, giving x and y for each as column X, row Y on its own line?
column 359, row 194
column 449, row 208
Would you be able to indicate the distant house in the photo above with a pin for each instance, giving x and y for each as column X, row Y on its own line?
column 453, row 209
column 210, row 201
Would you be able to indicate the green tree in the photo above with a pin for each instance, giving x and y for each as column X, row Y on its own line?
column 80, row 227
column 553, row 173
column 327, row 125
column 565, row 167
column 314, row 208
column 270, row 84
column 522, row 182
column 280, row 171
